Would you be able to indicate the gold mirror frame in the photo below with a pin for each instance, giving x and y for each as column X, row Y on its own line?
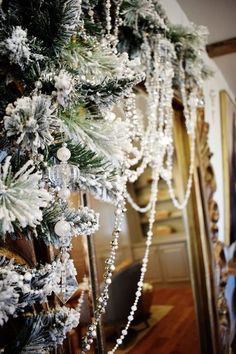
column 206, row 253
column 228, row 131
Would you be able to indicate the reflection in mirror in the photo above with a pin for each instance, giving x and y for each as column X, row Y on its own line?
column 181, row 298
column 168, row 296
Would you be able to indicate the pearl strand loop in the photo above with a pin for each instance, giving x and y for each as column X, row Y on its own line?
column 135, row 206
column 176, row 202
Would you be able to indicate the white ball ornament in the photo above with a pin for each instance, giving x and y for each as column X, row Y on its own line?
column 27, row 276
column 63, row 154
column 62, row 228
column 64, row 193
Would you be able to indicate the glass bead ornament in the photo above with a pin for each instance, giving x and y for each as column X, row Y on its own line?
column 63, row 175
column 69, row 282
column 63, row 154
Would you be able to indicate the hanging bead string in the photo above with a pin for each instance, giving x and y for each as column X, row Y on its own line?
column 169, row 181
column 160, row 105
column 108, row 19
column 163, row 132
column 87, row 340
column 136, row 207
column 144, row 260
column 118, row 22
column 190, row 99
column 80, row 302
column 133, row 124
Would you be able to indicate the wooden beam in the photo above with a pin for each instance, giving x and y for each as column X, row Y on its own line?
column 218, row 49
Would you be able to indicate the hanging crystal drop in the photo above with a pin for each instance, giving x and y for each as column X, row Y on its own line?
column 63, row 174
column 69, row 283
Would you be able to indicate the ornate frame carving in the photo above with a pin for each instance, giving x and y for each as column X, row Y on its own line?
column 206, row 252
column 212, row 247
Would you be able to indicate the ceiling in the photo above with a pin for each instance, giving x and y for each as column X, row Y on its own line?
column 220, row 18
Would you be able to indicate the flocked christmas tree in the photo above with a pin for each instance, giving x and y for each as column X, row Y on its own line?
column 64, row 64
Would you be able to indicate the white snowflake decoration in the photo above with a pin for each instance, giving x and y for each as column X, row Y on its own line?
column 21, row 199
column 32, row 121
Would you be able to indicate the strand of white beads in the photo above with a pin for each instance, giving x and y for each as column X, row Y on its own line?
column 144, row 261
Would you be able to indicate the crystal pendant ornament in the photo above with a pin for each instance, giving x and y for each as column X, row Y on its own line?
column 69, row 282
column 63, row 175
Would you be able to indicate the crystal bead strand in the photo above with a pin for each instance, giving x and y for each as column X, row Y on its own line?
column 109, row 266
column 118, row 22
column 189, row 100
column 165, row 76
column 108, row 19
column 131, row 114
column 144, row 261
column 150, row 136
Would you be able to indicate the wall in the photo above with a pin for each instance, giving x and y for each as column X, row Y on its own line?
column 211, row 88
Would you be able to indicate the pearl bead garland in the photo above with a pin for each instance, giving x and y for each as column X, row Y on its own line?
column 159, row 101
column 108, row 18
column 87, row 340
column 144, row 261
column 176, row 202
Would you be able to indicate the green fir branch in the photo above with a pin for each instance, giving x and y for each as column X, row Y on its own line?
column 89, row 59
column 107, row 93
column 54, row 24
column 43, row 332
column 82, row 156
